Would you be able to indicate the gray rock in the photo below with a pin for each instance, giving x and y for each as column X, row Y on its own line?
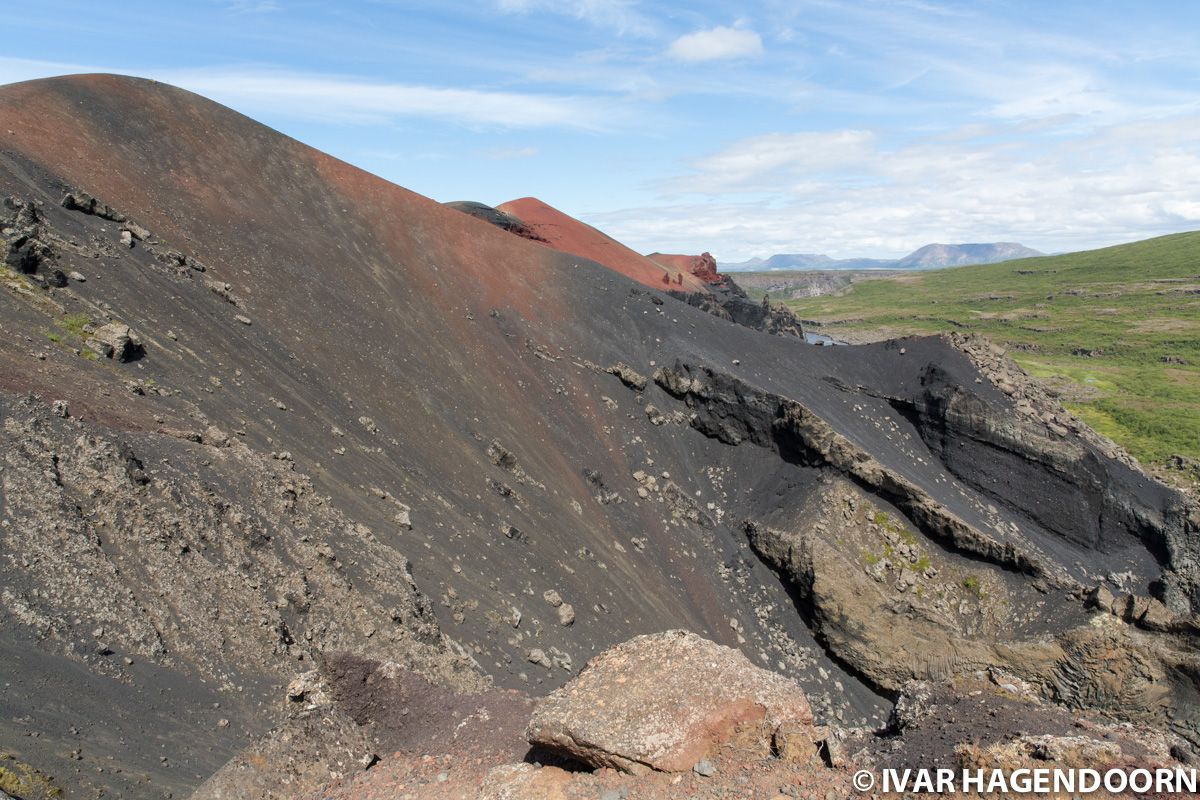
column 628, row 375
column 216, row 437
column 137, row 231
column 538, row 656
column 86, row 204
column 116, row 341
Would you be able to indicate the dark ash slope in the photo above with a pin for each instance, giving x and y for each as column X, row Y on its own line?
column 452, row 394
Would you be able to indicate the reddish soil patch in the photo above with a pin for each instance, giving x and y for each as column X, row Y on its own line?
column 572, row 236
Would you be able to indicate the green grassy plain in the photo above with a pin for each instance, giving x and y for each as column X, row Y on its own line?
column 1116, row 330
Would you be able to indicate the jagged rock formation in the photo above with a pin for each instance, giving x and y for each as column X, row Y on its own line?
column 723, row 297
column 703, row 266
column 338, row 378
column 895, row 609
column 729, row 301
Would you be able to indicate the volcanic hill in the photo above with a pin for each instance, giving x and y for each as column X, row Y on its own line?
column 264, row 413
column 572, row 236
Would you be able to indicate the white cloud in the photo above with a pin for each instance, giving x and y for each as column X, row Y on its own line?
column 15, row 70
column 716, row 44
column 508, row 153
column 355, row 101
column 847, row 193
column 769, row 158
column 335, row 99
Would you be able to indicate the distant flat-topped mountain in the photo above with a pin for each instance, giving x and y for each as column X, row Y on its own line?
column 927, row 257
column 957, row 255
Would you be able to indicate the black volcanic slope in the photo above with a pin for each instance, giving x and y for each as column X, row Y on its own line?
column 322, row 350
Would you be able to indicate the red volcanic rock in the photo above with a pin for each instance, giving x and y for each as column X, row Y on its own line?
column 493, row 217
column 703, row 266
column 570, row 235
column 665, row 702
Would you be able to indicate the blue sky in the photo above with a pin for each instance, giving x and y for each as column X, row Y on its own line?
column 866, row 128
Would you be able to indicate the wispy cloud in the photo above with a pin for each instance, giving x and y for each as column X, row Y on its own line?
column 716, row 44
column 508, row 153
column 847, row 193
column 349, row 100
column 619, row 15
column 253, row 6
column 774, row 159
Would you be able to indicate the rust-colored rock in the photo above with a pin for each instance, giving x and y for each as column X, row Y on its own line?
column 664, row 702
column 524, row 782
column 703, row 266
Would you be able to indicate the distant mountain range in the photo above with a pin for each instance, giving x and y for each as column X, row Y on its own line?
column 927, row 257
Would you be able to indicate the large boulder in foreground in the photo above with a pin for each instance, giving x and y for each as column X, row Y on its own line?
column 665, row 702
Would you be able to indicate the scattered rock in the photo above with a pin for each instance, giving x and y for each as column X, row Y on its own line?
column 628, row 375
column 301, row 756
column 215, row 437
column 136, row 231
column 795, row 742
column 310, row 689
column 223, row 290
column 86, row 204
column 524, row 782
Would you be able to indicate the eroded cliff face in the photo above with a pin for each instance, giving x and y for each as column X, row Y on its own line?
column 927, row 595
column 249, row 421
column 727, row 300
